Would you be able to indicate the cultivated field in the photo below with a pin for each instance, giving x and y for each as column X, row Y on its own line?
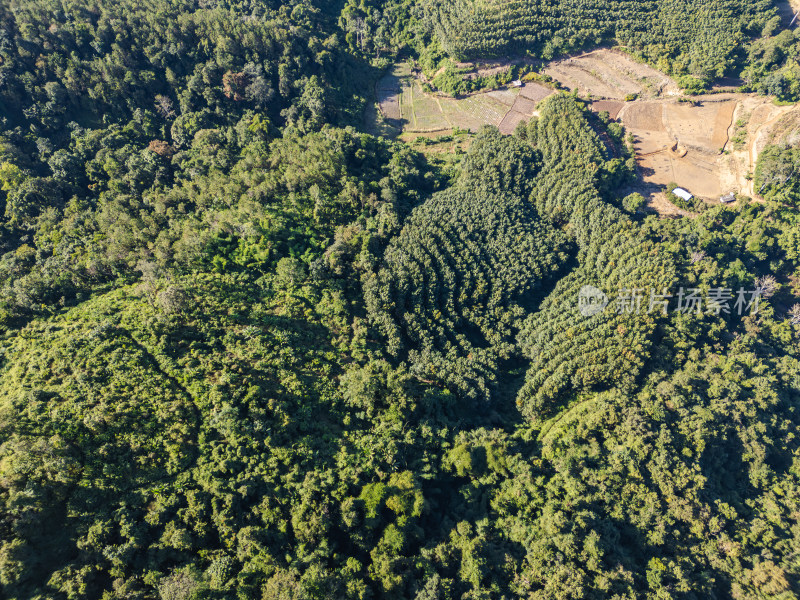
column 610, row 74
column 612, row 107
column 405, row 106
column 680, row 143
column 690, row 143
column 388, row 91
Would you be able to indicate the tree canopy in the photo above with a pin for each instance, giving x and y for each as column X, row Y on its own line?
column 249, row 351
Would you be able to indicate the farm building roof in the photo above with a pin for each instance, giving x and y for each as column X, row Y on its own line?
column 682, row 193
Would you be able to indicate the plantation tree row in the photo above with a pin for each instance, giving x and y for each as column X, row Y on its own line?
column 447, row 296
column 466, row 274
column 570, row 351
column 683, row 37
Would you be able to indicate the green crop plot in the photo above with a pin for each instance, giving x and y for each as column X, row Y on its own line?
column 427, row 113
column 403, row 102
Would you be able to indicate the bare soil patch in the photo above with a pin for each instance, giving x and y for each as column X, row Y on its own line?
column 703, row 127
column 574, row 75
column 389, row 101
column 610, row 74
column 680, row 143
column 612, row 107
column 688, row 143
column 388, row 91
column 644, row 116
column 524, row 105
column 511, row 120
column 535, row 91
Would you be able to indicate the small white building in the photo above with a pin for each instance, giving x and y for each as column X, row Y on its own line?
column 517, row 83
column 682, row 193
column 728, row 198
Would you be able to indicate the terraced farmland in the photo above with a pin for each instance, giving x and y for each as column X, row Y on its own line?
column 404, row 105
column 603, row 74
column 681, row 142
column 611, row 75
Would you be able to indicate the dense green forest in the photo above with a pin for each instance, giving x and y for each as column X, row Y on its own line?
column 248, row 351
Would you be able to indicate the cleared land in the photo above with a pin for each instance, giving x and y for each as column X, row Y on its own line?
column 389, row 89
column 680, row 143
column 406, row 107
column 612, row 107
column 611, row 75
column 690, row 143
column 606, row 74
column 764, row 123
